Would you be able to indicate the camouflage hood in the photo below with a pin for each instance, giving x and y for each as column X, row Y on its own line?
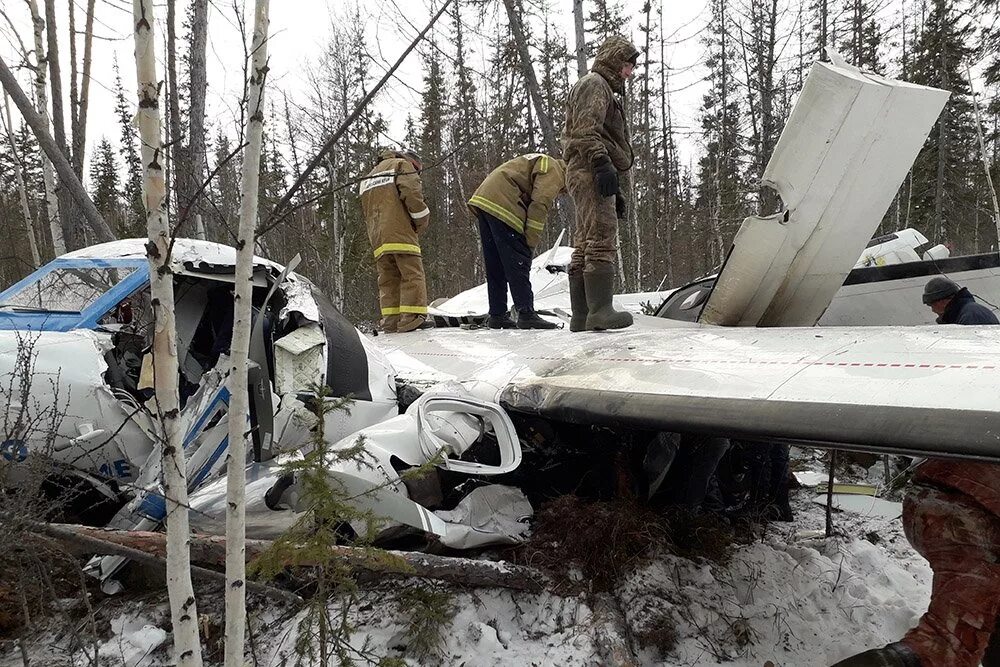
column 612, row 56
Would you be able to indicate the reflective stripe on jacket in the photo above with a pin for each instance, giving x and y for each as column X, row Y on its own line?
column 392, row 203
column 520, row 191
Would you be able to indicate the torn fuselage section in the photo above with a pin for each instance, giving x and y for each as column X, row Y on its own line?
column 85, row 322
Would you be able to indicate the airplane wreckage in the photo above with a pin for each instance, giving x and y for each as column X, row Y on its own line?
column 743, row 360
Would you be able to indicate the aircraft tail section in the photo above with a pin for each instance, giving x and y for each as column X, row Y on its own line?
column 841, row 158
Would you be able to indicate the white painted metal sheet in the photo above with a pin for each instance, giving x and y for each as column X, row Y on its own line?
column 921, row 389
column 843, row 153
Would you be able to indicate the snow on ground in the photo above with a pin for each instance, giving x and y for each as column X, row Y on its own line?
column 792, row 598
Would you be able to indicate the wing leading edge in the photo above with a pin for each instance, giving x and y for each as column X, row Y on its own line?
column 925, row 390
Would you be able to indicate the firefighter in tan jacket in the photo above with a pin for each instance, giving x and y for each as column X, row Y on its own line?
column 392, row 202
column 512, row 205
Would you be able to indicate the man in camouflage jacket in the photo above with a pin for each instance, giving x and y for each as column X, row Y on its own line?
column 598, row 153
column 512, row 206
column 392, row 203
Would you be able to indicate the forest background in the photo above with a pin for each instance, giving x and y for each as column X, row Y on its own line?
column 713, row 90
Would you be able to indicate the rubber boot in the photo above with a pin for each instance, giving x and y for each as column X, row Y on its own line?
column 601, row 313
column 501, row 322
column 896, row 654
column 577, row 302
column 529, row 319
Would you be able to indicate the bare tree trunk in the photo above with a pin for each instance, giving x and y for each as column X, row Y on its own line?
column 22, row 191
column 74, row 96
column 69, row 182
column 238, row 407
column 195, row 158
column 183, row 608
column 985, row 160
column 667, row 131
column 581, row 38
column 42, row 102
column 548, row 130
column 83, row 103
column 338, row 238
column 178, row 173
column 824, row 37
column 72, row 235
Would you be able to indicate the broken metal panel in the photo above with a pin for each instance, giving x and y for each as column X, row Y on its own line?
column 299, row 360
column 847, row 146
column 494, row 514
column 443, row 421
column 91, row 427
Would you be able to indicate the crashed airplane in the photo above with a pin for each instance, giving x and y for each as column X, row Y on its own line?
column 477, row 403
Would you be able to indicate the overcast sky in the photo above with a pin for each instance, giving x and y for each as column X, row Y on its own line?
column 301, row 28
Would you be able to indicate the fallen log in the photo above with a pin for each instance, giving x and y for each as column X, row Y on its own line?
column 91, row 541
column 211, row 550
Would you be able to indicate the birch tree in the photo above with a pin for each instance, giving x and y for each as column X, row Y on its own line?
column 183, row 608
column 238, row 407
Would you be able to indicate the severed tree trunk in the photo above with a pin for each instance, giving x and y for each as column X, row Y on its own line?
column 22, row 191
column 239, row 405
column 70, row 184
column 42, row 102
column 548, row 130
column 183, row 609
column 581, row 38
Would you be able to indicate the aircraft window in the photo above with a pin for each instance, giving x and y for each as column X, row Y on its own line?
column 68, row 290
column 694, row 300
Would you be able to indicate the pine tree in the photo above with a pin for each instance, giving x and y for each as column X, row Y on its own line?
column 944, row 201
column 606, row 18
column 105, row 184
column 721, row 183
column 135, row 212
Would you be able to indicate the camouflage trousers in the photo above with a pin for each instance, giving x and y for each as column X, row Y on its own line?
column 402, row 292
column 596, row 221
column 961, row 541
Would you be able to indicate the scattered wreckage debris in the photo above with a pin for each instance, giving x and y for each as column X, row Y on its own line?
column 88, row 318
column 839, row 387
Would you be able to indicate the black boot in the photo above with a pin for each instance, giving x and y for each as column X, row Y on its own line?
column 896, row 654
column 600, row 292
column 501, row 322
column 577, row 302
column 529, row 319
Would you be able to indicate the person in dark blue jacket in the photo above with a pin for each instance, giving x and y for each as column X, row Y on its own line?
column 954, row 304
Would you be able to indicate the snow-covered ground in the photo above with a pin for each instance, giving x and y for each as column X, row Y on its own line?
column 791, row 598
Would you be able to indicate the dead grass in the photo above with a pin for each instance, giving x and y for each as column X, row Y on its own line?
column 593, row 545
column 659, row 633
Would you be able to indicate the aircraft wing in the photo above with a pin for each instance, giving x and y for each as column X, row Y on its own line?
column 841, row 158
column 926, row 390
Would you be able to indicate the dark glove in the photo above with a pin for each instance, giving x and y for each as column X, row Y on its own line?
column 621, row 208
column 606, row 177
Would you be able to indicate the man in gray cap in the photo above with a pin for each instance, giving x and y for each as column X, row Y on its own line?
column 954, row 304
